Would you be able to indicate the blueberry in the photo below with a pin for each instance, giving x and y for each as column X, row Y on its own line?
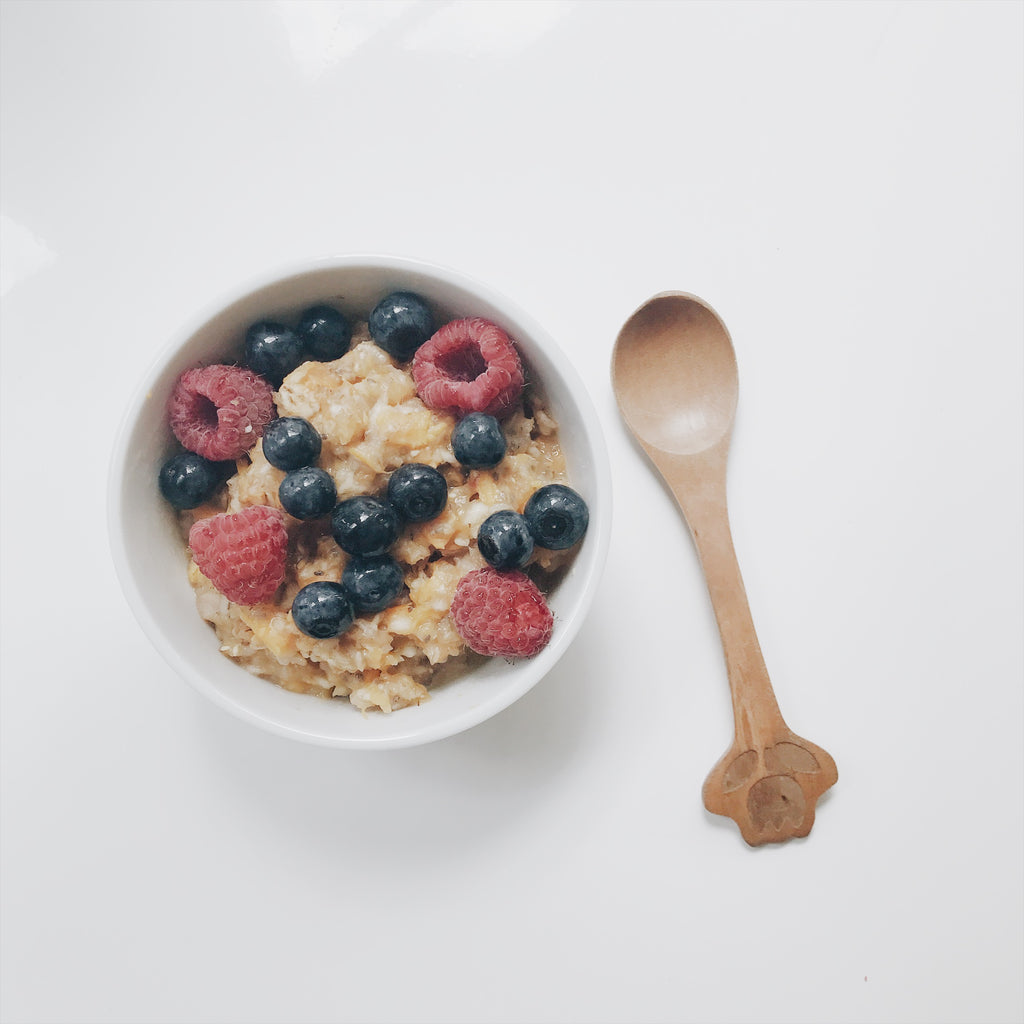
column 557, row 517
column 291, row 442
column 400, row 323
column 478, row 441
column 307, row 493
column 417, row 492
column 322, row 610
column 364, row 525
column 372, row 582
column 505, row 540
column 188, row 480
column 273, row 350
column 325, row 332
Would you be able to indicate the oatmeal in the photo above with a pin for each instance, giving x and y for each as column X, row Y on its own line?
column 368, row 412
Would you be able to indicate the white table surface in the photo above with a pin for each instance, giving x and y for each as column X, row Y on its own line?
column 843, row 183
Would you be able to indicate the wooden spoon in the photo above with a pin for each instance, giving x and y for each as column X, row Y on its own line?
column 675, row 378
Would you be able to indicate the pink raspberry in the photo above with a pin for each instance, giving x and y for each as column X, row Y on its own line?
column 501, row 614
column 219, row 412
column 242, row 553
column 468, row 366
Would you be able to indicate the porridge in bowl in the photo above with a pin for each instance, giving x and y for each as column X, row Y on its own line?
column 371, row 507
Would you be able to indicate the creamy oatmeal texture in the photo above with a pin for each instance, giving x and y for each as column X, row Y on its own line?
column 371, row 420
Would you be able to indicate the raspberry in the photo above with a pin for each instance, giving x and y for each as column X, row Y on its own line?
column 242, row 553
column 501, row 614
column 468, row 366
column 219, row 412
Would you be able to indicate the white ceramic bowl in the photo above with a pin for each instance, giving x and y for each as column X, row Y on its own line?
column 149, row 555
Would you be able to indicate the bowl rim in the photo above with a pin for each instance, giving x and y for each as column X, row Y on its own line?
column 598, row 540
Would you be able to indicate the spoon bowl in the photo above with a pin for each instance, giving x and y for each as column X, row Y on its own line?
column 680, row 403
column 675, row 378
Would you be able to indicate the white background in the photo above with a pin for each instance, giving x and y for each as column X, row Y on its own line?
column 843, row 183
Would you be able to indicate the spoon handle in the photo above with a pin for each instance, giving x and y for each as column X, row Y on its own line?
column 698, row 483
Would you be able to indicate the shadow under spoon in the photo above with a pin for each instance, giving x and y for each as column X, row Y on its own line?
column 675, row 379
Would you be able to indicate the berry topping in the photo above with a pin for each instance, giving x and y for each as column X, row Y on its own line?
column 557, row 517
column 242, row 553
column 400, row 323
column 364, row 525
column 469, row 366
column 478, row 442
column 417, row 492
column 501, row 614
column 322, row 610
column 219, row 411
column 291, row 442
column 273, row 350
column 373, row 582
column 505, row 540
column 325, row 333
column 307, row 493
column 188, row 480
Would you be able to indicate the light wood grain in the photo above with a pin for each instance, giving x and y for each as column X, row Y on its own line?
column 676, row 382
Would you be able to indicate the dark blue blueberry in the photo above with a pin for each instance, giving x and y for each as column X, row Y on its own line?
column 400, row 323
column 372, row 582
column 325, row 332
column 557, row 517
column 188, row 480
column 307, row 493
column 505, row 540
column 364, row 525
column 291, row 442
column 478, row 441
column 273, row 350
column 417, row 492
column 322, row 610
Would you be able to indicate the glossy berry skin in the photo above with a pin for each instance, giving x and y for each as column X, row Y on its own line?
column 557, row 516
column 478, row 441
column 364, row 525
column 322, row 610
column 325, row 332
column 291, row 442
column 188, row 480
column 372, row 582
column 505, row 540
column 307, row 493
column 400, row 323
column 417, row 492
column 273, row 350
